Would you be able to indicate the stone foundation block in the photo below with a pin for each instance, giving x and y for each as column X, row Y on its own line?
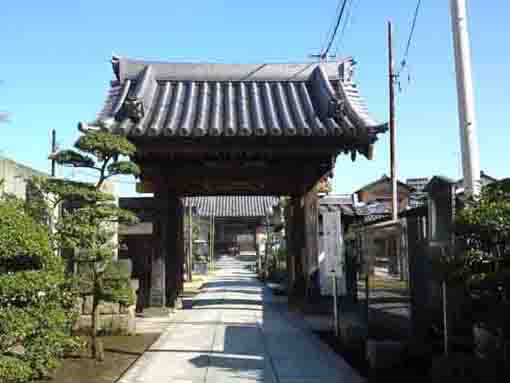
column 110, row 323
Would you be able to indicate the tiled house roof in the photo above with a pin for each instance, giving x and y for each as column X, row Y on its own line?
column 153, row 99
column 232, row 206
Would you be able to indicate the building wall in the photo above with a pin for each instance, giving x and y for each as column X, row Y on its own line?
column 15, row 176
column 235, row 231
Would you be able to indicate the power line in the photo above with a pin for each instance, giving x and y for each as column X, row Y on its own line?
column 403, row 63
column 324, row 54
column 331, row 26
column 347, row 16
column 350, row 12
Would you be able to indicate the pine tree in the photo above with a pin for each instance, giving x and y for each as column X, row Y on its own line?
column 89, row 217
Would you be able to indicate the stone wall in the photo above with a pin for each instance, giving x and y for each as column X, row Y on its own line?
column 114, row 318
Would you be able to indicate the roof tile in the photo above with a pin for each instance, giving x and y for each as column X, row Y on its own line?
column 171, row 99
column 232, row 206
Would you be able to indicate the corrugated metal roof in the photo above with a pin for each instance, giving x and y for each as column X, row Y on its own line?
column 232, row 206
column 175, row 99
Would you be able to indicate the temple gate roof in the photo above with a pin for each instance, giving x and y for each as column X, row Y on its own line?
column 155, row 100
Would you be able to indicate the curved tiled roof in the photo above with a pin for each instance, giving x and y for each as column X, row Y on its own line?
column 194, row 100
column 232, row 206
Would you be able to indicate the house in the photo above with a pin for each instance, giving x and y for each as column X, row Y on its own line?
column 379, row 194
column 14, row 177
column 397, row 260
column 374, row 206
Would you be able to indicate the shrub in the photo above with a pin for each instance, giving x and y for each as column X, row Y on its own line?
column 13, row 370
column 36, row 301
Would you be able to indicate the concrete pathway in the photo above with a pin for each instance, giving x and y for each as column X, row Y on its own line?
column 237, row 332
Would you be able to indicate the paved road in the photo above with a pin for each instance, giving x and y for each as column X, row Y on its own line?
column 237, row 332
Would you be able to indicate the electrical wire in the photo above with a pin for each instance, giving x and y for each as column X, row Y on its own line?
column 403, row 63
column 324, row 54
column 331, row 26
column 352, row 6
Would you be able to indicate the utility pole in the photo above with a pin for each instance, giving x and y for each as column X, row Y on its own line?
column 393, row 158
column 56, row 209
column 53, row 150
column 465, row 98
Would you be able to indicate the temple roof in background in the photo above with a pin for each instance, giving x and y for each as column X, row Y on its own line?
column 217, row 206
column 232, row 206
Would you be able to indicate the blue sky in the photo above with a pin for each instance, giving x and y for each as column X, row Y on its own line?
column 55, row 71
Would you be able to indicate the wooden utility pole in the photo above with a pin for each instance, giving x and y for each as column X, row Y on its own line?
column 393, row 158
column 53, row 150
column 53, row 164
column 465, row 98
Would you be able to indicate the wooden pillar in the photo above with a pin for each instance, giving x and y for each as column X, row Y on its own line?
column 302, row 241
column 166, row 276
column 290, row 246
column 174, row 249
column 180, row 255
column 189, row 245
column 311, row 245
column 311, row 215
column 158, row 269
column 295, row 245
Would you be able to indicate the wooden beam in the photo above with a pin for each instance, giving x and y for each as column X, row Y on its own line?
column 268, row 186
column 281, row 142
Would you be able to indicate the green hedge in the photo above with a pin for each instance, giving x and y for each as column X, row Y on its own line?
column 36, row 300
column 13, row 370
